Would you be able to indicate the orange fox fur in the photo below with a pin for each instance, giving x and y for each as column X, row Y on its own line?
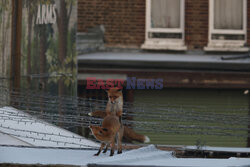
column 129, row 133
column 115, row 101
column 107, row 133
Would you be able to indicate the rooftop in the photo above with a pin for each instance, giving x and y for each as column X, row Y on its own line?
column 142, row 59
column 21, row 129
column 145, row 156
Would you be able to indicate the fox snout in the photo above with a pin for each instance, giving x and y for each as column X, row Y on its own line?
column 112, row 100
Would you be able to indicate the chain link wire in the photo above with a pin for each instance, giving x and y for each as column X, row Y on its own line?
column 150, row 118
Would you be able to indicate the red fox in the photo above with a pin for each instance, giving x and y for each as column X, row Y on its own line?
column 115, row 104
column 107, row 133
column 129, row 134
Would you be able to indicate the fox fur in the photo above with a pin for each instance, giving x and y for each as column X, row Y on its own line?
column 107, row 133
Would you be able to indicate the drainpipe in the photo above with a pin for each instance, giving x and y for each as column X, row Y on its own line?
column 16, row 30
column 246, row 92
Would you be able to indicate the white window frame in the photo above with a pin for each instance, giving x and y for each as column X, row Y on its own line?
column 165, row 43
column 226, row 45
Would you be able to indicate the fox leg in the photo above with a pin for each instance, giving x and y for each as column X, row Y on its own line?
column 98, row 114
column 106, row 148
column 119, row 115
column 112, row 150
column 100, row 149
column 120, row 135
column 120, row 120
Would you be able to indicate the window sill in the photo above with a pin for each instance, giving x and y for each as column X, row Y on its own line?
column 226, row 47
column 176, row 45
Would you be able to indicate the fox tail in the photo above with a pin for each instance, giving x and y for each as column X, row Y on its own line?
column 133, row 136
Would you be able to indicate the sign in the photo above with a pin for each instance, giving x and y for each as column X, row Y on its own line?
column 48, row 47
column 46, row 14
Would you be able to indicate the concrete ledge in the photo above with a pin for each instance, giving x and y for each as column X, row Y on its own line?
column 225, row 49
column 164, row 47
column 174, row 44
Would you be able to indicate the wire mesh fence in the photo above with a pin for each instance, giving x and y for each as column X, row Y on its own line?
column 163, row 123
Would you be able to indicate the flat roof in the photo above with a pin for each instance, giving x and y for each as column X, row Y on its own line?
column 141, row 59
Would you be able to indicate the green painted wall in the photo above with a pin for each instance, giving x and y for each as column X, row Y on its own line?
column 203, row 104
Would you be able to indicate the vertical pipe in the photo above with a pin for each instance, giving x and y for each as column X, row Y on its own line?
column 16, row 44
column 16, row 29
column 248, row 138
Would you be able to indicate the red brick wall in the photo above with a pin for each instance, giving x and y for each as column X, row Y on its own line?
column 124, row 20
column 248, row 22
column 196, row 23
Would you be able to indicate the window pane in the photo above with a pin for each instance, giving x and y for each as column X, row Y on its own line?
column 228, row 37
column 228, row 14
column 165, row 35
column 165, row 13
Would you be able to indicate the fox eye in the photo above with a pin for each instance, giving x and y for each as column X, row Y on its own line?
column 100, row 131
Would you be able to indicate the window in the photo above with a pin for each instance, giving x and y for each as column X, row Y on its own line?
column 164, row 25
column 227, row 25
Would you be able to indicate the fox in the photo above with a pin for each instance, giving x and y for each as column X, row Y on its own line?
column 129, row 134
column 107, row 133
column 115, row 104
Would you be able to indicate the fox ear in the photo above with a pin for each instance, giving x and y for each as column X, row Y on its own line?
column 105, row 129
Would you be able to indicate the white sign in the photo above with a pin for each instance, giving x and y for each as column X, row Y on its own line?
column 46, row 14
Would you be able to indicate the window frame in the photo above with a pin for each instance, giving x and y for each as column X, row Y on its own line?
column 180, row 30
column 212, row 30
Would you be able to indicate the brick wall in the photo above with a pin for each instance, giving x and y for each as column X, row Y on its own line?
column 248, row 22
column 124, row 20
column 196, row 23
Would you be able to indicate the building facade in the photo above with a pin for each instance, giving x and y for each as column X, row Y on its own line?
column 208, row 25
column 202, row 36
column 198, row 47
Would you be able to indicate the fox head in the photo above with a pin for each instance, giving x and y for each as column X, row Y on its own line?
column 99, row 132
column 114, row 94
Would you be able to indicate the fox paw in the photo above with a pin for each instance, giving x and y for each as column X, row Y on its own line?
column 119, row 151
column 97, row 153
column 111, row 153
